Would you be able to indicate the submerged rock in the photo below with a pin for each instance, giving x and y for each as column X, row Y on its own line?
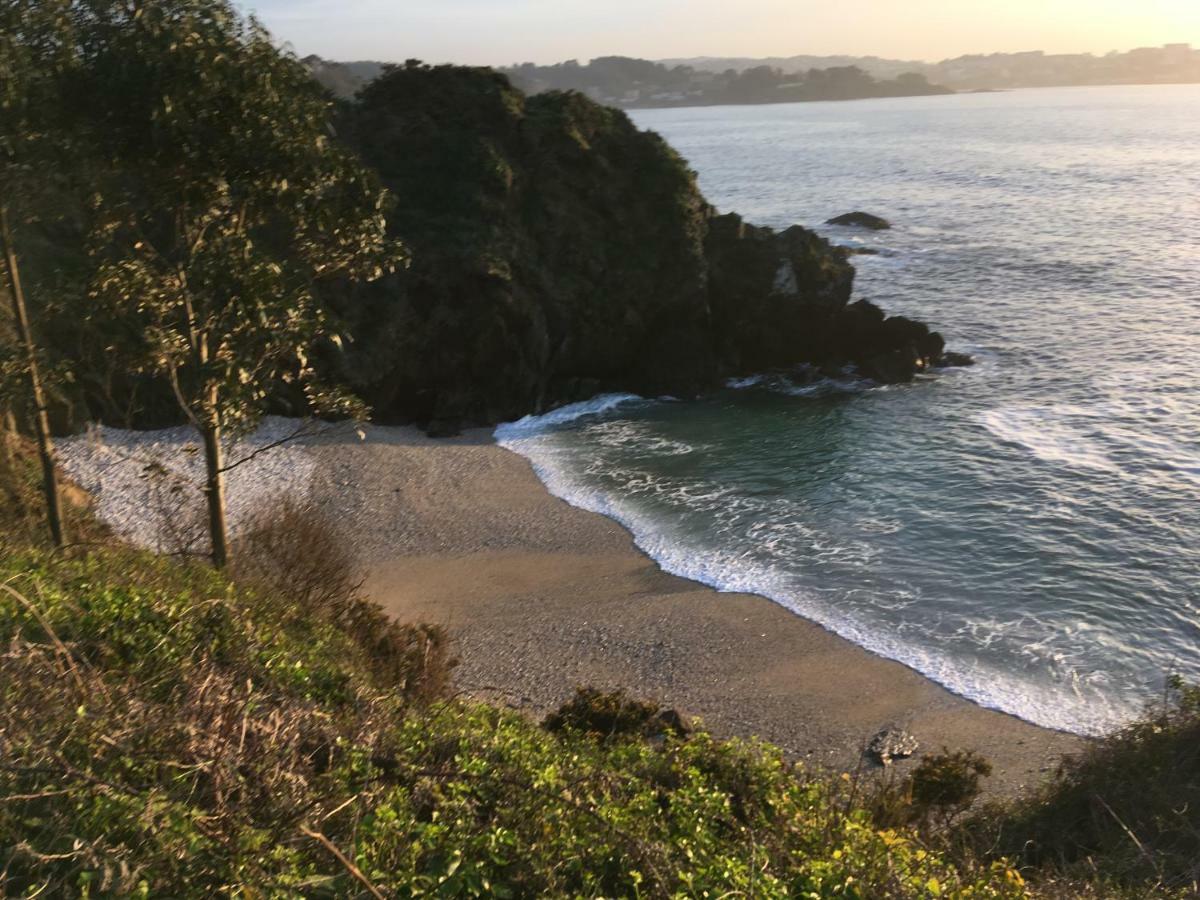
column 861, row 220
column 892, row 743
column 950, row 359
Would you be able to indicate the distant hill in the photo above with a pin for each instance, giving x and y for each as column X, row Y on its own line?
column 1169, row 64
column 626, row 82
column 344, row 79
column 876, row 66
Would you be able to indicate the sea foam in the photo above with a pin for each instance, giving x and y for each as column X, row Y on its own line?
column 1067, row 705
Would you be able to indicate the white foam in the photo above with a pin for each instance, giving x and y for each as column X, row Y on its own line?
column 737, row 384
column 566, row 414
column 846, row 383
column 1063, row 704
column 1092, row 437
column 1049, row 435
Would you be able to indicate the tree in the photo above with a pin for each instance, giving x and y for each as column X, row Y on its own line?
column 223, row 209
column 33, row 42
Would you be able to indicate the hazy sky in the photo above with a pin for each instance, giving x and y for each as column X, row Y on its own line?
column 499, row 32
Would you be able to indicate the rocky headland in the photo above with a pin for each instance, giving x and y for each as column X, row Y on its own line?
column 560, row 252
column 557, row 252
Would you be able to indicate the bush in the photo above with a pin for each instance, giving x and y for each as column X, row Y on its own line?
column 941, row 788
column 945, row 785
column 293, row 551
column 609, row 715
column 1125, row 812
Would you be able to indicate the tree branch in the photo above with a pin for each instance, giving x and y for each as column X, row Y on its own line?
column 307, row 428
column 341, row 857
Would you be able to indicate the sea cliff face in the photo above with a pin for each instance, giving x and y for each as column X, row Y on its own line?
column 559, row 252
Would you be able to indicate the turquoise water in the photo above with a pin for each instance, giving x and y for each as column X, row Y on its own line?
column 1026, row 532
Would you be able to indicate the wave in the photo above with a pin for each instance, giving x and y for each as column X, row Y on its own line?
column 846, row 383
column 1048, row 434
column 730, row 562
column 1100, row 437
column 564, row 415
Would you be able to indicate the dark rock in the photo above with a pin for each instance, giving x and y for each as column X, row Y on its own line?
column 950, row 359
column 861, row 220
column 444, row 428
column 860, row 251
column 559, row 252
column 893, row 367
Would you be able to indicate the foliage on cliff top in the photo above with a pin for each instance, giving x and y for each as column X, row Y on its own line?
column 557, row 249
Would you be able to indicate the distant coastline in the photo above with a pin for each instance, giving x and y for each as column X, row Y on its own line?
column 632, row 83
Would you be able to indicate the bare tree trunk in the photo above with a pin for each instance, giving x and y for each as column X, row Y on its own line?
column 9, row 438
column 41, row 420
column 214, row 487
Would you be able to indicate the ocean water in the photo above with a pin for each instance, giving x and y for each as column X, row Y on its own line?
column 1025, row 532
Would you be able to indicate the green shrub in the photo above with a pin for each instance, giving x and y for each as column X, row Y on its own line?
column 292, row 551
column 612, row 714
column 946, row 784
column 1124, row 815
column 941, row 788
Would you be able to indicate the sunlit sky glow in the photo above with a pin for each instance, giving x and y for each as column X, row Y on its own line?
column 498, row 32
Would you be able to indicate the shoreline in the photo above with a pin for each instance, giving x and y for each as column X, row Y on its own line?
column 540, row 597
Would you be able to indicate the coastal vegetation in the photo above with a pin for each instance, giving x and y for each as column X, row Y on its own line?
column 166, row 729
column 174, row 728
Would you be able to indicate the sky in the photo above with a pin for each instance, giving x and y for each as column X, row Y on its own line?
column 500, row 32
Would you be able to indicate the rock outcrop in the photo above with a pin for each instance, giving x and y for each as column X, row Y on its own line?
column 892, row 743
column 559, row 252
column 861, row 220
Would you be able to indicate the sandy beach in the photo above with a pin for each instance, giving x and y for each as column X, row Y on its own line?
column 541, row 597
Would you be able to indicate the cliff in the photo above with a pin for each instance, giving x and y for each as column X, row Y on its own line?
column 559, row 252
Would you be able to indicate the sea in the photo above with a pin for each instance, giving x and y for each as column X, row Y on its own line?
column 1025, row 532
